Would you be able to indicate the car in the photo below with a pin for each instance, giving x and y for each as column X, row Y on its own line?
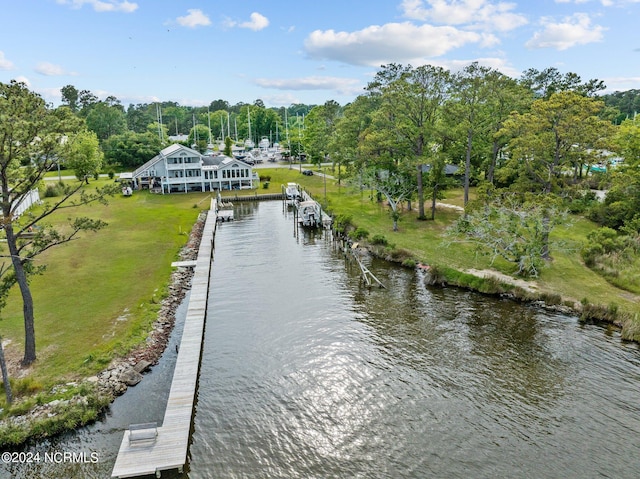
column 307, row 172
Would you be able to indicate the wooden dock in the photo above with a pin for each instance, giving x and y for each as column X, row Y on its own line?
column 151, row 450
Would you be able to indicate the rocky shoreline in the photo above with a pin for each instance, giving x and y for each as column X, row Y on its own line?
column 121, row 372
column 125, row 372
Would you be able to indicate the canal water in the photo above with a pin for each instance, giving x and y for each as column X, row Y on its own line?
column 307, row 374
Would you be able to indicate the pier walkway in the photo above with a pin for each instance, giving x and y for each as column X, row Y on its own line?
column 150, row 450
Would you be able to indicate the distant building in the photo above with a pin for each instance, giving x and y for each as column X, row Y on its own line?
column 178, row 168
column 449, row 170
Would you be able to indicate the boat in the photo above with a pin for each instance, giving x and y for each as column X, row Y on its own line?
column 224, row 212
column 292, row 193
column 309, row 214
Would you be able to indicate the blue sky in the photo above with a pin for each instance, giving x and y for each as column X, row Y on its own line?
column 304, row 51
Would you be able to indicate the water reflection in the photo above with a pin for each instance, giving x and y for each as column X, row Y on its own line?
column 312, row 375
column 306, row 373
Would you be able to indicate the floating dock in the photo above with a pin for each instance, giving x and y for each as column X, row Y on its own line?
column 150, row 450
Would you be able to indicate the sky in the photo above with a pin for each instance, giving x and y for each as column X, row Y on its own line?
column 306, row 51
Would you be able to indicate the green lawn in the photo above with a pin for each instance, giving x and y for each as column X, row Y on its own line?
column 99, row 293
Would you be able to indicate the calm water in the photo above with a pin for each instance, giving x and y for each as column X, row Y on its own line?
column 306, row 374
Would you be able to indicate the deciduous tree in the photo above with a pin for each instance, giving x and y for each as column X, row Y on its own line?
column 83, row 155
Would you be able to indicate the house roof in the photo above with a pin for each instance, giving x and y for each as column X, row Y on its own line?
column 207, row 162
column 171, row 149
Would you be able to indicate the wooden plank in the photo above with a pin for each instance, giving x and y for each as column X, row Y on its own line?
column 169, row 450
column 183, row 264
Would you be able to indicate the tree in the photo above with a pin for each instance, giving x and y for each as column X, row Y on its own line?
column 504, row 96
column 627, row 141
column 139, row 117
column 320, row 128
column 549, row 81
column 5, row 375
column 621, row 206
column 543, row 142
column 70, row 97
column 83, row 155
column 199, row 136
column 394, row 186
column 34, row 132
column 86, row 101
column 507, row 228
column 219, row 105
column 344, row 147
column 468, row 110
column 437, row 179
column 553, row 134
column 411, row 101
column 228, row 146
column 6, row 282
column 131, row 149
column 106, row 119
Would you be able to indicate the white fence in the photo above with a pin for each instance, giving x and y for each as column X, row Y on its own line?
column 25, row 203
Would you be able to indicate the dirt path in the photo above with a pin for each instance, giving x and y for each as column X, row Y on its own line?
column 529, row 286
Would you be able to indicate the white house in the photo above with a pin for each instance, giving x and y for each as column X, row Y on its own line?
column 178, row 168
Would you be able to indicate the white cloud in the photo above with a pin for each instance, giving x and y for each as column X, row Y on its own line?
column 49, row 69
column 195, row 18
column 499, row 64
column 283, row 99
column 257, row 22
column 103, row 5
column 341, row 85
column 393, row 42
column 23, row 79
column 606, row 3
column 4, row 63
column 572, row 31
column 620, row 83
column 476, row 14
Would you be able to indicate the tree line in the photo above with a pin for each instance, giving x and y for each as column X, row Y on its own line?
column 536, row 147
column 530, row 146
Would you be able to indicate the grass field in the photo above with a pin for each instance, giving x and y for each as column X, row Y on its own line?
column 100, row 293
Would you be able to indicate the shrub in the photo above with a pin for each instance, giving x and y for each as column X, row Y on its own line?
column 598, row 312
column 358, row 234
column 379, row 240
column 552, row 299
column 398, row 255
column 341, row 223
column 51, row 191
column 111, row 174
column 409, row 263
column 25, row 386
